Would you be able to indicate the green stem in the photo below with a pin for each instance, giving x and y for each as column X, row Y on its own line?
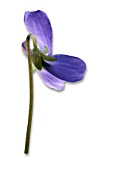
column 34, row 40
column 27, row 142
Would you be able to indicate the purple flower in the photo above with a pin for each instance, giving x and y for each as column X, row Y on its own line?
column 63, row 68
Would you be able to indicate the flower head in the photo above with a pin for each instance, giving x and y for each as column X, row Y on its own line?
column 57, row 69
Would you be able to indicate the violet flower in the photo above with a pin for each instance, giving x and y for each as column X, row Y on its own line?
column 66, row 68
column 54, row 70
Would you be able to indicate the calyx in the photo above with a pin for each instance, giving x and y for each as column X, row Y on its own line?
column 38, row 57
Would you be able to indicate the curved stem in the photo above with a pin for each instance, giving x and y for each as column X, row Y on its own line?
column 34, row 40
column 27, row 142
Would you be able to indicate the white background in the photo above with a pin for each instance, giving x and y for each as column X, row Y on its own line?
column 78, row 128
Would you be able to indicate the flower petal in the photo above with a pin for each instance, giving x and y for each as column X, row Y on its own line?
column 67, row 68
column 50, row 80
column 24, row 47
column 38, row 24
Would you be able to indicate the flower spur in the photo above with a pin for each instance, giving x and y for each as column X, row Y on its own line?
column 54, row 70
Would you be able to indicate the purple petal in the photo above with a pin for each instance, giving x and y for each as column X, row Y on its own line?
column 38, row 24
column 24, row 47
column 50, row 80
column 67, row 68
